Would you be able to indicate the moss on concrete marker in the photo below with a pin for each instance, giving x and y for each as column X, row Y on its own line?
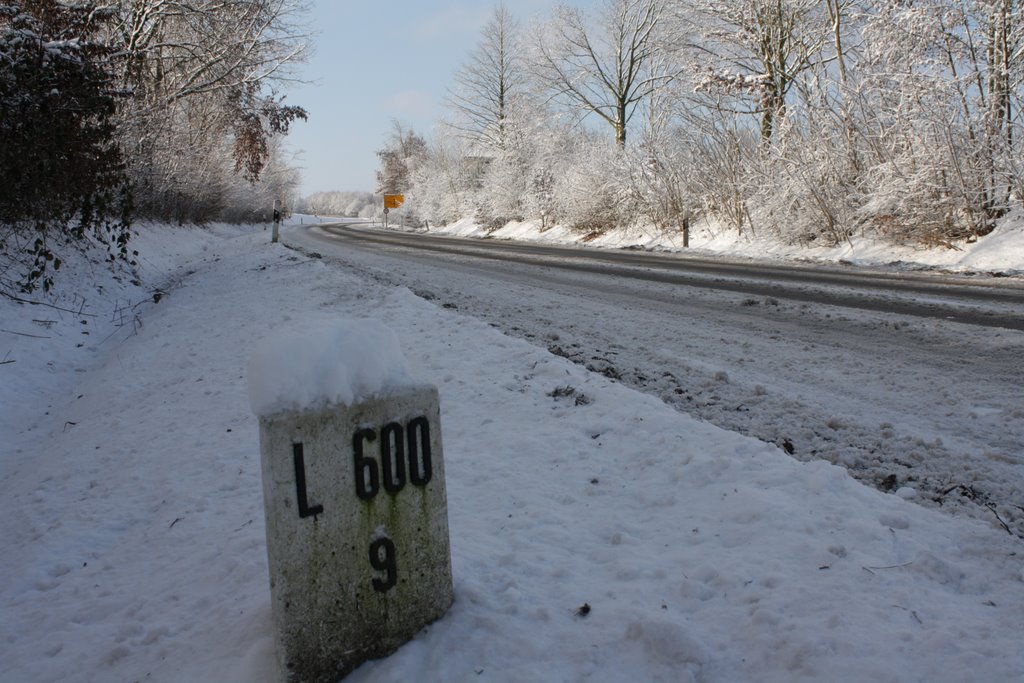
column 357, row 530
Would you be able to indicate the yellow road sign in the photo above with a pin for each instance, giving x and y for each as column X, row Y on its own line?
column 393, row 201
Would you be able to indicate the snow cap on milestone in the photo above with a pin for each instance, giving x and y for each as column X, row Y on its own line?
column 312, row 365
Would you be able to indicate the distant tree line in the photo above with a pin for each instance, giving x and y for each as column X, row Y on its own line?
column 808, row 121
column 119, row 109
column 348, row 204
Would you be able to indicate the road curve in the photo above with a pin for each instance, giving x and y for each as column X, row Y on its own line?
column 979, row 300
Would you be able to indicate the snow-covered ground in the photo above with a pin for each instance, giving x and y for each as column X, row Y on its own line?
column 134, row 545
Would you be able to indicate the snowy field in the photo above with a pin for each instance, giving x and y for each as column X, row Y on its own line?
column 134, row 541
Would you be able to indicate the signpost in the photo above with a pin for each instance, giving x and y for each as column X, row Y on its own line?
column 392, row 201
column 277, row 221
column 357, row 529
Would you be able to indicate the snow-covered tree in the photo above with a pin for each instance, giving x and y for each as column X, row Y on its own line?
column 339, row 203
column 748, row 55
column 200, row 73
column 446, row 181
column 937, row 115
column 592, row 190
column 246, row 201
column 801, row 120
column 399, row 157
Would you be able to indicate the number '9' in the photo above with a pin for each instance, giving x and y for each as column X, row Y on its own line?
column 382, row 558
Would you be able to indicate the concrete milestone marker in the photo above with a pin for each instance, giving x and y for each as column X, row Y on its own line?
column 357, row 529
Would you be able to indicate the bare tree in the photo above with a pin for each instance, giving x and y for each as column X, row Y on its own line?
column 490, row 85
column 604, row 69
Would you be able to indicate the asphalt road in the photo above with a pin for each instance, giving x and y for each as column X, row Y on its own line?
column 935, row 295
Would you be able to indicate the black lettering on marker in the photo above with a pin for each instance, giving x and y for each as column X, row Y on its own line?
column 300, row 484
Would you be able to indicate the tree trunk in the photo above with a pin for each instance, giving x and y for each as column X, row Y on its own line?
column 620, row 124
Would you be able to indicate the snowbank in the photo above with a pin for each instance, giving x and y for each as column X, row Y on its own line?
column 1000, row 252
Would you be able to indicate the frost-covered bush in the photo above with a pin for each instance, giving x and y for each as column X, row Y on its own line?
column 932, row 183
column 444, row 183
column 593, row 193
column 723, row 174
column 935, row 115
column 806, row 190
column 662, row 170
column 506, row 183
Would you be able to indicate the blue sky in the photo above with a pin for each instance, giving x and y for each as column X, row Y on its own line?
column 375, row 62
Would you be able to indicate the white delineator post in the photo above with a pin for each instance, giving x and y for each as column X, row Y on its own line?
column 357, row 523
column 275, row 236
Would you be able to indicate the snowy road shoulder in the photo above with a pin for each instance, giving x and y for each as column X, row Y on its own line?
column 596, row 532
